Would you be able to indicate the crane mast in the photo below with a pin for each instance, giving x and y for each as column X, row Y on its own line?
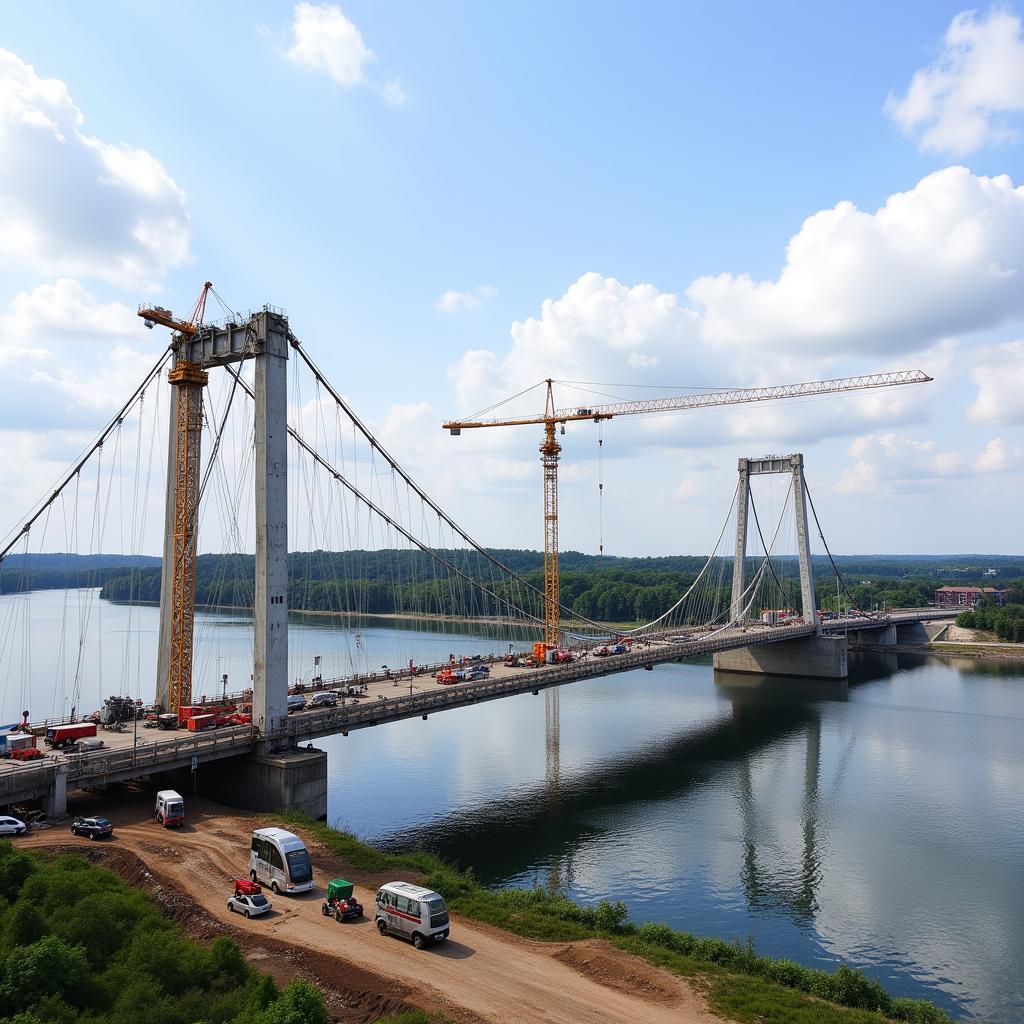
column 188, row 380
column 550, row 449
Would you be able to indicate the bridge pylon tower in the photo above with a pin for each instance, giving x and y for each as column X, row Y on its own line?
column 264, row 337
column 774, row 464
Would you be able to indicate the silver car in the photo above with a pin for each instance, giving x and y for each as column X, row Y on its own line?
column 249, row 906
column 12, row 826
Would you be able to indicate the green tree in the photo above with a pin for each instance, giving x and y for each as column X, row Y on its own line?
column 299, row 1003
column 47, row 967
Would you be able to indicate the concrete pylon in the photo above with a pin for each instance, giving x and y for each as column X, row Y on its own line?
column 740, row 562
column 263, row 337
column 773, row 464
column 270, row 634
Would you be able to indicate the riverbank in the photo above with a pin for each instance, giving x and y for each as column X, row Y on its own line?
column 513, row 955
column 737, row 983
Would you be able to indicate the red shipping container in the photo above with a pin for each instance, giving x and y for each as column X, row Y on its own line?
column 199, row 722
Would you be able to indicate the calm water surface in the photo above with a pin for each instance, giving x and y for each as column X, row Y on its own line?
column 880, row 824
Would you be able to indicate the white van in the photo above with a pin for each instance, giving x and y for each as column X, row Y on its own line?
column 280, row 859
column 296, row 702
column 417, row 914
column 170, row 808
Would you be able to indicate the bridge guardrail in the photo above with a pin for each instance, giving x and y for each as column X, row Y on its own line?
column 339, row 719
column 19, row 777
column 99, row 762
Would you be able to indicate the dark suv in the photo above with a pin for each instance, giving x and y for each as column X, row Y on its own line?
column 94, row 828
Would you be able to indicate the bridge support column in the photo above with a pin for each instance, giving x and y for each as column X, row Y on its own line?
column 293, row 780
column 740, row 561
column 270, row 634
column 811, row 657
column 57, row 798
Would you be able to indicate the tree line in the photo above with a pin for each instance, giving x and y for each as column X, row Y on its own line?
column 1006, row 621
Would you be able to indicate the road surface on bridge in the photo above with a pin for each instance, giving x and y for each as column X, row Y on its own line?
column 480, row 974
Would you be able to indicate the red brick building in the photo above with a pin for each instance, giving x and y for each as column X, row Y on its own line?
column 967, row 597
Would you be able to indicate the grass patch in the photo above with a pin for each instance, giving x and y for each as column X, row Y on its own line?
column 740, row 984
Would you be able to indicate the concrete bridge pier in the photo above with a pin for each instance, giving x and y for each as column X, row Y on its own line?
column 56, row 804
column 809, row 657
column 292, row 780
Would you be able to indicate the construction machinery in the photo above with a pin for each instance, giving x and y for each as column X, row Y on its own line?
column 550, row 449
column 189, row 379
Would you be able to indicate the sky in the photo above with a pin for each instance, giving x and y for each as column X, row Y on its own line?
column 455, row 201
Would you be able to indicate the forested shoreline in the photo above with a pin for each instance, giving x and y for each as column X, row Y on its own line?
column 609, row 589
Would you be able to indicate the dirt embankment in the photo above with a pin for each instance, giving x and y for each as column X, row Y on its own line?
column 479, row 975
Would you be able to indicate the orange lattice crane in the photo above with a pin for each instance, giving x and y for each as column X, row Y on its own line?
column 189, row 379
column 550, row 449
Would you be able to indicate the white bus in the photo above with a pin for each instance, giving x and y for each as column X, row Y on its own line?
column 280, row 859
column 413, row 912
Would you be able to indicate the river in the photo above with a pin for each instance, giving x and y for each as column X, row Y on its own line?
column 879, row 824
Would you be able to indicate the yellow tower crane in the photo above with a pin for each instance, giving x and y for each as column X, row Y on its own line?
column 189, row 379
column 550, row 449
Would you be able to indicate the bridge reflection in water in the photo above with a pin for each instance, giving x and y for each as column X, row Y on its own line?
column 547, row 824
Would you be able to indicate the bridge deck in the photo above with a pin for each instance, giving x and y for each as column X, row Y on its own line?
column 135, row 753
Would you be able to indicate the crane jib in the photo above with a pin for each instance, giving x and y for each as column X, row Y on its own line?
column 706, row 399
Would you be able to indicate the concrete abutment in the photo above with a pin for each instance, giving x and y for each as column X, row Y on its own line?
column 293, row 780
column 809, row 657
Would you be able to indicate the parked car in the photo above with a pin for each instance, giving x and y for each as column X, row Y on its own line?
column 94, row 828
column 12, row 826
column 476, row 672
column 249, row 906
column 326, row 699
column 618, row 649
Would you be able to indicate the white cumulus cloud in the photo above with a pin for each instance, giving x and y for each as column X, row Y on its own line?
column 72, row 204
column 884, row 459
column 325, row 40
column 999, row 455
column 613, row 330
column 943, row 258
column 457, row 302
column 65, row 309
column 999, row 377
column 967, row 96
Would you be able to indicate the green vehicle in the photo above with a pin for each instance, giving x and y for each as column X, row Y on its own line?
column 341, row 901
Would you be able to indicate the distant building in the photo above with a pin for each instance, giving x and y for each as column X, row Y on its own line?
column 967, row 597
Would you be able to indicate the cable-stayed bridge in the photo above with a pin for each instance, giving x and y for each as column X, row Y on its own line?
column 290, row 467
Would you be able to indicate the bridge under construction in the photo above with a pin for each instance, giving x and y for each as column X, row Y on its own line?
column 357, row 497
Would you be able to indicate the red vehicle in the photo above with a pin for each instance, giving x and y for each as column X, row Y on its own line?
column 560, row 657
column 26, row 754
column 65, row 735
column 239, row 718
column 446, row 675
column 189, row 711
column 245, row 887
column 197, row 723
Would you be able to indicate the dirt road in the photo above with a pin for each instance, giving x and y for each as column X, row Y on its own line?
column 479, row 974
